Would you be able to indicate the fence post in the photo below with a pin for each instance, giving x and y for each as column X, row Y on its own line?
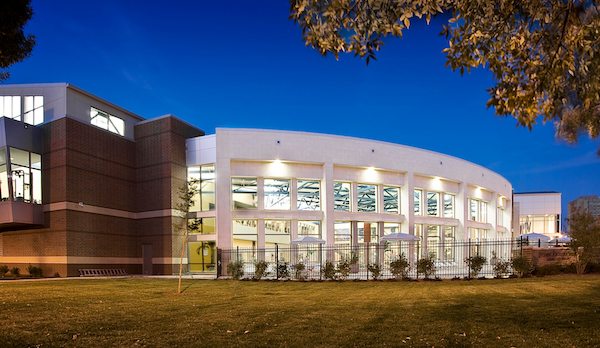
column 469, row 258
column 276, row 261
column 368, row 258
column 219, row 257
column 237, row 253
column 320, row 260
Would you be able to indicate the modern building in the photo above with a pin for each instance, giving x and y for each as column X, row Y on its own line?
column 587, row 204
column 538, row 212
column 87, row 184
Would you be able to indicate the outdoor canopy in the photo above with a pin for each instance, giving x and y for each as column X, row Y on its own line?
column 534, row 237
column 308, row 240
column 393, row 237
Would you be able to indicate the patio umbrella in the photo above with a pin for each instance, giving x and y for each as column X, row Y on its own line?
column 561, row 239
column 308, row 240
column 534, row 237
column 394, row 237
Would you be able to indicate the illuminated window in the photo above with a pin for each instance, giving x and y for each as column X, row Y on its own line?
column 477, row 210
column 277, row 194
column 343, row 233
column 391, row 199
column 107, row 121
column 244, row 193
column 433, row 198
column 448, row 205
column 34, row 110
column 342, row 197
column 449, row 243
column 205, row 225
column 309, row 228
column 4, row 195
column 204, row 197
column 277, row 232
column 433, row 240
column 418, row 202
column 391, row 227
column 10, row 106
column 367, row 232
column 244, row 233
column 367, row 197
column 309, row 197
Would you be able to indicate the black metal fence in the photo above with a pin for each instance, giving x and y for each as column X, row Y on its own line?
column 446, row 259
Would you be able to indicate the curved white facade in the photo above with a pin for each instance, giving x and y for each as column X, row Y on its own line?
column 436, row 192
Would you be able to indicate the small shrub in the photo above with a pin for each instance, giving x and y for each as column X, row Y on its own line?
column 475, row 264
column 16, row 271
column 34, row 271
column 236, row 269
column 329, row 271
column 56, row 275
column 375, row 270
column 260, row 269
column 345, row 267
column 522, row 266
column 3, row 270
column 299, row 267
column 283, row 271
column 426, row 266
column 400, row 267
column 501, row 268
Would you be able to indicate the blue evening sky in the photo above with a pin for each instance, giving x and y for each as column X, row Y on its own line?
column 244, row 64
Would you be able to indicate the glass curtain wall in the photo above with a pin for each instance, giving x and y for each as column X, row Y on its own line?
column 341, row 191
column 391, row 199
column 309, row 195
column 244, row 193
column 4, row 194
column 277, row 233
column 277, row 194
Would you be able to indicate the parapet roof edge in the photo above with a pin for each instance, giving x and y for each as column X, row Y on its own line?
column 361, row 139
column 175, row 117
column 538, row 193
column 76, row 89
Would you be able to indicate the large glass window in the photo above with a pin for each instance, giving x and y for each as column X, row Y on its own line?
column 309, row 228
column 418, row 202
column 4, row 195
column 343, row 233
column 433, row 240
column 477, row 210
column 433, row 199
column 10, row 106
column 341, row 192
column 448, row 205
column 391, row 227
column 277, row 194
column 107, row 121
column 391, row 199
column 205, row 225
column 34, row 110
column 244, row 193
column 204, row 177
column 309, row 195
column 449, row 243
column 478, row 233
column 367, row 197
column 277, row 233
column 244, row 233
column 21, row 176
column 367, row 232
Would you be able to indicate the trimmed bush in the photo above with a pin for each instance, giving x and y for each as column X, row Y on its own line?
column 34, row 271
column 16, row 271
column 375, row 270
column 3, row 270
column 522, row 266
column 299, row 267
column 345, row 267
column 426, row 266
column 329, row 271
column 236, row 269
column 283, row 271
column 400, row 267
column 475, row 264
column 260, row 269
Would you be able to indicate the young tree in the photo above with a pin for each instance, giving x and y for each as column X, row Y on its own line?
column 543, row 54
column 585, row 235
column 185, row 225
column 14, row 44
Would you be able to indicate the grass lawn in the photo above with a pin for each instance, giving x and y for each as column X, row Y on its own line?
column 560, row 311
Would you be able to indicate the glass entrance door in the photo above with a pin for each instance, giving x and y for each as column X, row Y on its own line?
column 202, row 256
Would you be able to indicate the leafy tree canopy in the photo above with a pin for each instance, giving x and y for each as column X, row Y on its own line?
column 585, row 232
column 14, row 44
column 544, row 54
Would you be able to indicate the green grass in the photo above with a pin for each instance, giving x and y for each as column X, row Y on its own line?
column 537, row 312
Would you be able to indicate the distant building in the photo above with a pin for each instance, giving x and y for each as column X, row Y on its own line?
column 538, row 212
column 588, row 204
